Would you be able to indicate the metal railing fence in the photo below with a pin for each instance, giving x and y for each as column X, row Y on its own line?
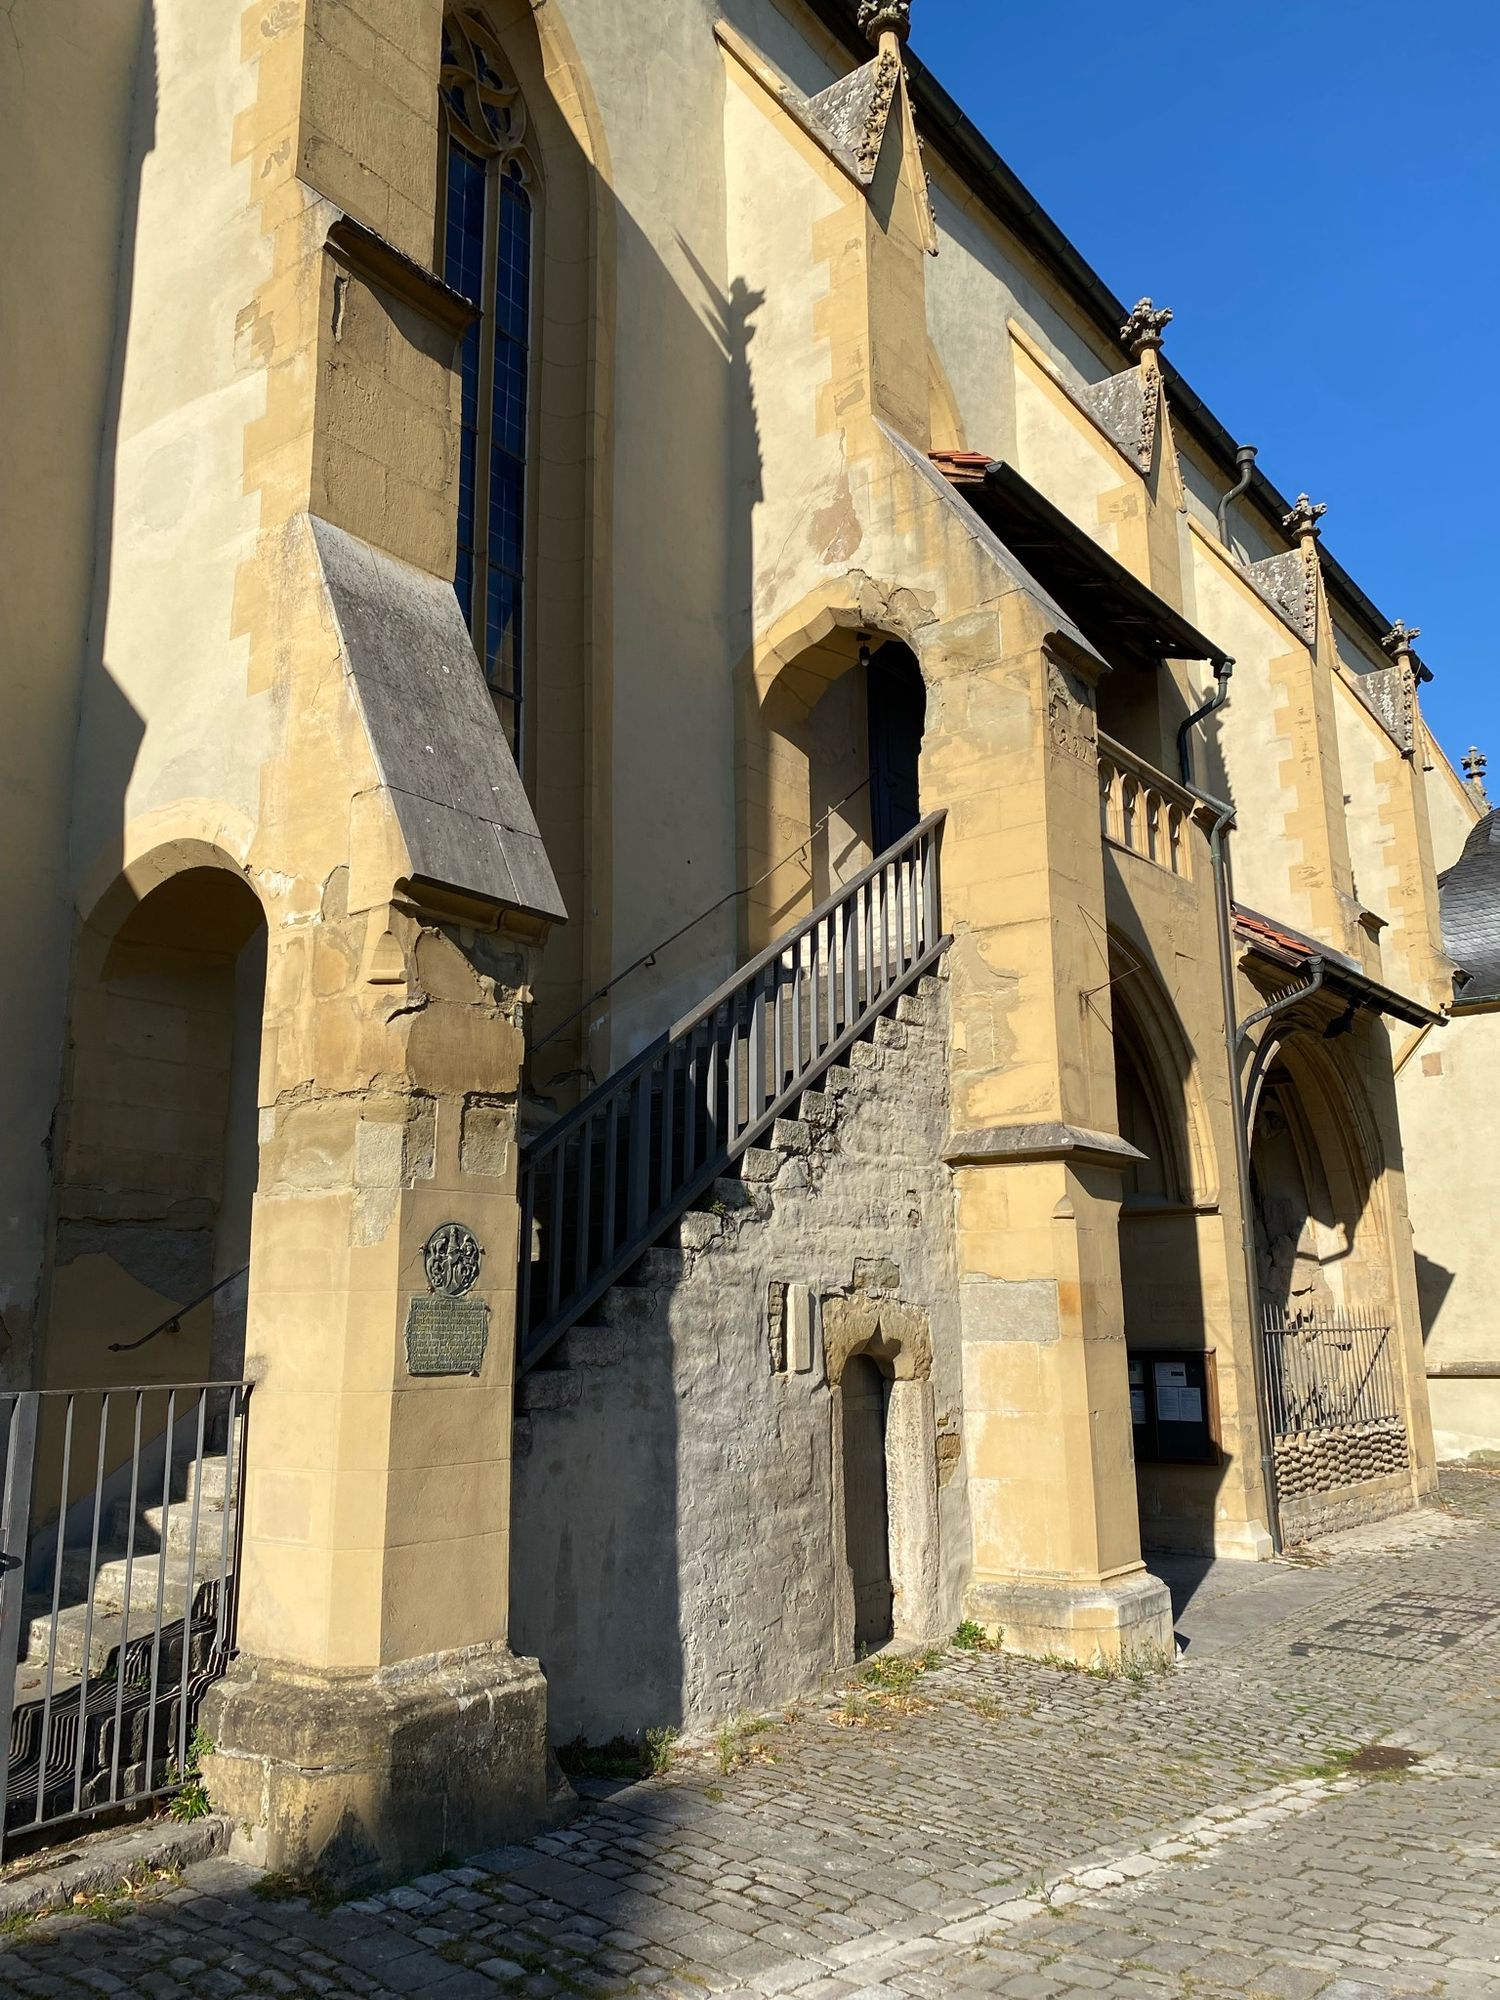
column 119, row 1558
column 1329, row 1370
column 603, row 1183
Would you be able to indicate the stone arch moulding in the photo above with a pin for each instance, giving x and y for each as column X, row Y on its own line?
column 1340, row 1128
column 157, row 847
column 811, row 645
column 1172, row 1071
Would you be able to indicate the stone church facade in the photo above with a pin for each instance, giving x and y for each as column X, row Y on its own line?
column 694, row 862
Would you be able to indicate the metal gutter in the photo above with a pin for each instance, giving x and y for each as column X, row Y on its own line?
column 966, row 149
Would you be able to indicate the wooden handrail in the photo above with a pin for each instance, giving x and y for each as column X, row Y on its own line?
column 612, row 1175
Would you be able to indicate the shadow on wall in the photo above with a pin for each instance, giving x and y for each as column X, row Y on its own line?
column 74, row 378
column 1434, row 1282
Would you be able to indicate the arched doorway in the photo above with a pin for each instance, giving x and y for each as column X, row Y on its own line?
column 159, row 1155
column 864, row 1394
column 896, row 703
column 1336, row 1398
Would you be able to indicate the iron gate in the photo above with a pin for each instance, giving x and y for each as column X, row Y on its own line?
column 119, row 1558
column 1328, row 1370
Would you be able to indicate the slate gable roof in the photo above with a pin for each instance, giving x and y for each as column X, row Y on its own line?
column 1469, row 897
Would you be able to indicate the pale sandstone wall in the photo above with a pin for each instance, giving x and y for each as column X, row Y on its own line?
column 1450, row 1127
column 77, row 107
column 167, row 714
column 676, row 1505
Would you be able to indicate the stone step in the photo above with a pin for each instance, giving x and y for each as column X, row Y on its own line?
column 148, row 1571
column 791, row 1135
column 913, row 1009
column 890, row 1034
column 178, row 1522
column 662, row 1266
column 697, row 1229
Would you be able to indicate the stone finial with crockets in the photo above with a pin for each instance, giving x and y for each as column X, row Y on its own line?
column 1303, row 520
column 885, row 17
column 1145, row 326
column 1401, row 638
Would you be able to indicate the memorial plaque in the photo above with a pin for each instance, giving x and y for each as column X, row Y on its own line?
column 446, row 1336
column 448, row 1332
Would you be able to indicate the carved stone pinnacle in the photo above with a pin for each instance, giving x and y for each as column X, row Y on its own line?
column 1145, row 326
column 1401, row 638
column 1475, row 764
column 880, row 17
column 1305, row 516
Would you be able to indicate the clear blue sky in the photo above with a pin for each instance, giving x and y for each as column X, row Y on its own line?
column 1314, row 187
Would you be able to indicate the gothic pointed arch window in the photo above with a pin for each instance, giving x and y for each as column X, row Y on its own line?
column 487, row 246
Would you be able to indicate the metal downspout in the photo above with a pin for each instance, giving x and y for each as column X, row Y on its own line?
column 1245, row 459
column 1223, row 911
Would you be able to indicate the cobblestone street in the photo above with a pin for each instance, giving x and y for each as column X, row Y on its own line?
column 997, row 1826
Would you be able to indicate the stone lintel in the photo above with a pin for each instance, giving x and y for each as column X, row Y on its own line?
column 365, row 1778
column 1093, row 1623
column 1047, row 1140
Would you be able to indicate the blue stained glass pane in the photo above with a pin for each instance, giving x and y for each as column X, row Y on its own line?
column 463, row 248
column 507, row 512
column 463, row 268
column 513, row 266
column 510, row 397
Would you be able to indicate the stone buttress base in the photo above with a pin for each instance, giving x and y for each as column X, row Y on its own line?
column 1092, row 1624
column 365, row 1778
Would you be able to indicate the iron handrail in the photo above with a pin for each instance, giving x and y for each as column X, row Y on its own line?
column 615, row 1172
column 173, row 1322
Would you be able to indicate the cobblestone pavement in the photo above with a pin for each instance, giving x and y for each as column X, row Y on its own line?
column 1000, row 1827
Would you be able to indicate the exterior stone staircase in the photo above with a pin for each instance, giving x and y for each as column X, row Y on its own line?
column 90, row 1621
column 799, row 1152
column 677, row 1501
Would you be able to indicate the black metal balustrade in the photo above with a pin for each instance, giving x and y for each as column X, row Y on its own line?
column 119, row 1545
column 606, row 1181
column 1328, row 1371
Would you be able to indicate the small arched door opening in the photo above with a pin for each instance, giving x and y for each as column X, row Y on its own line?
column 864, row 1399
column 896, row 702
column 160, row 1149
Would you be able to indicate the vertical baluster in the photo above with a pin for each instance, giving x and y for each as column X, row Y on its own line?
column 692, row 1090
column 756, row 1078
column 668, row 1183
column 851, row 958
column 711, row 1099
column 736, row 1117
column 527, row 1243
column 775, row 975
column 830, row 976
column 559, row 1225
column 638, row 1192
column 582, row 1262
column 799, row 986
column 867, row 943
column 609, row 1220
